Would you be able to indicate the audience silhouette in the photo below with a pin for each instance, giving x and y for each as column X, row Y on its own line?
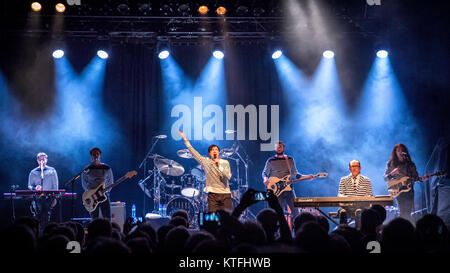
column 268, row 233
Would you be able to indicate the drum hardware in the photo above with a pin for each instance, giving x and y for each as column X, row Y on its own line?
column 172, row 186
column 153, row 172
column 160, row 165
column 234, row 154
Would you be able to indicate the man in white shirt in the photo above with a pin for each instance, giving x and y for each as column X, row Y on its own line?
column 354, row 184
column 218, row 173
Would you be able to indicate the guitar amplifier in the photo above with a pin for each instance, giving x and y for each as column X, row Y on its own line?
column 118, row 213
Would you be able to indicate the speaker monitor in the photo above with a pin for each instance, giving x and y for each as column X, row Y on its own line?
column 118, row 213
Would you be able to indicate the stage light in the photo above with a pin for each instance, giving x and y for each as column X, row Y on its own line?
column 221, row 10
column 184, row 9
column 145, row 8
column 123, row 9
column 102, row 54
column 36, row 6
column 218, row 54
column 242, row 10
column 203, row 10
column 277, row 54
column 163, row 54
column 57, row 54
column 328, row 54
column 166, row 10
column 382, row 54
column 60, row 7
column 258, row 11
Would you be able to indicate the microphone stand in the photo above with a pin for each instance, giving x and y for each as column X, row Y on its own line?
column 72, row 181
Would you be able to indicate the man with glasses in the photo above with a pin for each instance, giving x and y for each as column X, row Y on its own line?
column 353, row 184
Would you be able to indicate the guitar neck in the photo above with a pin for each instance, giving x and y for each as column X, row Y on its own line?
column 297, row 180
column 115, row 183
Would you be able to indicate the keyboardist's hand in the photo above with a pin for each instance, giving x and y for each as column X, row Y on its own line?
column 38, row 187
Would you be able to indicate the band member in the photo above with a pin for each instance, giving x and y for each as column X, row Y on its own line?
column 353, row 184
column 93, row 176
column 398, row 166
column 279, row 166
column 40, row 178
column 218, row 173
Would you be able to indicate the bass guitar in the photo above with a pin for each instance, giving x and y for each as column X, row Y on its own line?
column 405, row 184
column 93, row 197
column 279, row 185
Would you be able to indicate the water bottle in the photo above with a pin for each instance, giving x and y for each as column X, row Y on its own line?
column 133, row 212
column 162, row 210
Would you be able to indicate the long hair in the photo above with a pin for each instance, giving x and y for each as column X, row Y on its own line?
column 393, row 160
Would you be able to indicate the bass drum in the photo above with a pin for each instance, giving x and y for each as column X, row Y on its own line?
column 183, row 203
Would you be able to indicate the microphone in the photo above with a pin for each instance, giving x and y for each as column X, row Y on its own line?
column 405, row 155
column 42, row 169
column 160, row 136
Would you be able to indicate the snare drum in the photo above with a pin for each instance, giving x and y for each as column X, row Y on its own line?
column 189, row 186
column 183, row 203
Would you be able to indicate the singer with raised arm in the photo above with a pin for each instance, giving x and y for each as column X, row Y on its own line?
column 400, row 165
column 43, row 177
column 218, row 173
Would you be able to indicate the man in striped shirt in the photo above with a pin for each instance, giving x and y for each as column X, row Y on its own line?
column 353, row 184
column 218, row 173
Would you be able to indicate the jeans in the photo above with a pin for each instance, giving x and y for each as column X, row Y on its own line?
column 289, row 197
column 406, row 205
column 41, row 208
column 105, row 207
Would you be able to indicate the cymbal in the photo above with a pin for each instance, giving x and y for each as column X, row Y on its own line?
column 227, row 152
column 185, row 153
column 169, row 167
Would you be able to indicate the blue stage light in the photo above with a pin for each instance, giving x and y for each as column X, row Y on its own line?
column 382, row 54
column 163, row 54
column 277, row 54
column 218, row 54
column 59, row 53
column 102, row 54
column 328, row 54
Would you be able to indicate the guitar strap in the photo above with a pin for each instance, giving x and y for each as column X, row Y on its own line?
column 288, row 165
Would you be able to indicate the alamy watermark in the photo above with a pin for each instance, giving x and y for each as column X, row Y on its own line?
column 191, row 122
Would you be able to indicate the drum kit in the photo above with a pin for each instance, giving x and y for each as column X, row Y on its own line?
column 171, row 188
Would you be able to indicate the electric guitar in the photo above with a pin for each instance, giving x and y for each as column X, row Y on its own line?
column 279, row 185
column 93, row 197
column 397, row 186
